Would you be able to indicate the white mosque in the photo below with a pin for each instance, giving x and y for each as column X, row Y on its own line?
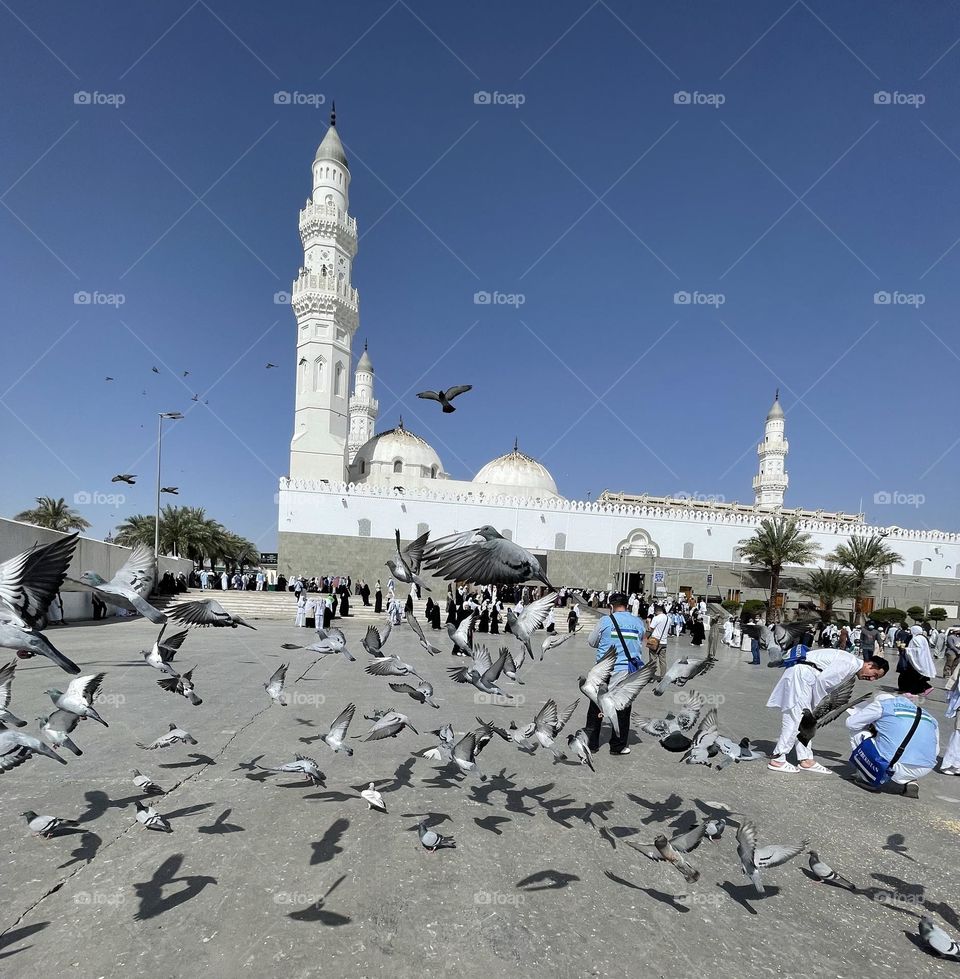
column 350, row 488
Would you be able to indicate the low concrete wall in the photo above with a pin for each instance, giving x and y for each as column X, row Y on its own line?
column 90, row 555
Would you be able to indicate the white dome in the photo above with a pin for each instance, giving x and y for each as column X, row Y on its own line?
column 396, row 457
column 519, row 473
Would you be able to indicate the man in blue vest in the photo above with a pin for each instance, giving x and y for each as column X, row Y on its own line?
column 888, row 719
column 629, row 659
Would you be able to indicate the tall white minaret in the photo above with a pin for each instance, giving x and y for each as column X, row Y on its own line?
column 327, row 309
column 363, row 406
column 770, row 483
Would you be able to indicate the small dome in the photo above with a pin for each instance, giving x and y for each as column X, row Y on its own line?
column 775, row 410
column 520, row 472
column 330, row 147
column 365, row 363
column 377, row 460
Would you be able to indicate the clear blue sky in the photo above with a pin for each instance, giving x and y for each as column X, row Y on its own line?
column 597, row 200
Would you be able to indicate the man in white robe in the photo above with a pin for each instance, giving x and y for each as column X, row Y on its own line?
column 802, row 687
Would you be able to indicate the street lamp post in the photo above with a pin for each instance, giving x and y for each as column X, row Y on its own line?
column 173, row 416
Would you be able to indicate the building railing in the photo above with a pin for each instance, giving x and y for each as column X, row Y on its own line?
column 328, row 214
column 311, row 282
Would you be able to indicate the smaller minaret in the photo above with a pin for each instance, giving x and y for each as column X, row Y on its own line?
column 770, row 483
column 363, row 406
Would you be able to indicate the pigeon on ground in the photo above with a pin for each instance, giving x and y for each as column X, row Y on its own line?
column 373, row 798
column 58, row 727
column 149, row 818
column 530, row 619
column 422, row 693
column 482, row 674
column 418, row 631
column 6, row 692
column 937, row 940
column 127, row 588
column 46, row 826
column 405, row 566
column 129, row 478
column 160, row 655
column 735, row 751
column 827, row 874
column 578, row 743
column 335, row 738
column 206, row 612
column 433, row 841
column 16, row 748
column 28, row 583
column 703, row 740
column 445, row 397
column 683, row 843
column 274, row 686
column 146, row 784
column 552, row 641
column 484, row 557
column 304, row 766
column 389, row 726
column 713, row 828
column 375, row 638
column 754, row 859
column 79, row 697
column 674, row 730
column 462, row 635
column 183, row 685
column 673, row 856
column 176, row 735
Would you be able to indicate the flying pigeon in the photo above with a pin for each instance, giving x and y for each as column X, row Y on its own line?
column 672, row 732
column 108, row 378
column 28, row 583
column 330, row 641
column 376, row 638
column 937, row 940
column 753, row 859
column 145, row 784
column 149, row 818
column 443, row 751
column 274, row 686
column 465, row 751
column 336, row 736
column 462, row 635
column 510, row 668
column 682, row 843
column 418, row 631
column 578, row 743
column 373, row 798
column 390, row 666
column 547, row 725
column 681, row 671
column 675, row 857
column 610, row 700
column 129, row 478
column 172, row 490
column 270, row 365
column 126, row 589
column 445, row 397
column 827, row 874
column 433, row 841
column 206, row 612
column 304, row 766
column 183, row 685
column 484, row 557
column 405, row 566
column 58, row 727
column 16, row 748
column 79, row 697
column 483, row 674
column 779, row 638
column 703, row 740
column 6, row 690
column 46, row 826
column 531, row 617
column 422, row 693
column 834, row 705
column 552, row 641
column 176, row 735
column 161, row 655
column 389, row 726
column 156, row 370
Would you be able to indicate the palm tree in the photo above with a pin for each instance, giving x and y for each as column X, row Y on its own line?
column 240, row 551
column 829, row 585
column 776, row 543
column 53, row 515
column 138, row 529
column 863, row 557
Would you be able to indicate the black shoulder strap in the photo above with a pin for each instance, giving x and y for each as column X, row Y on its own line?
column 903, row 744
column 623, row 642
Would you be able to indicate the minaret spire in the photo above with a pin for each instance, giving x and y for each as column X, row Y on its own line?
column 333, row 113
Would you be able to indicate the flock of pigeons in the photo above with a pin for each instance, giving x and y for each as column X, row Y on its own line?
column 28, row 582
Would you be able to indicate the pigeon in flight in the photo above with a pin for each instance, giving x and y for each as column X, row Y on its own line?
column 432, row 840
column 108, row 378
column 595, row 686
column 703, row 740
column 58, row 727
column 682, row 843
column 552, row 641
column 46, row 826
column 483, row 674
column 422, row 693
column 127, row 588
column 418, row 632
column 579, row 744
column 28, row 583
column 684, row 669
column 185, row 374
column 129, row 478
column 182, row 685
column 206, row 612
column 145, row 784
column 16, row 748
column 937, row 940
column 445, row 397
column 79, row 697
column 6, row 691
column 176, row 735
column 389, row 726
column 269, row 366
column 462, row 635
column 484, row 557
column 376, row 638
column 531, row 618
column 149, row 818
column 391, row 666
column 547, row 725
column 156, row 370
column 161, row 655
column 834, row 705
column 405, row 566
column 373, row 798
column 826, row 873
column 754, row 859
column 172, row 490
column 465, row 751
column 274, row 686
column 443, row 751
column 331, row 641
column 672, row 731
column 302, row 765
column 335, row 738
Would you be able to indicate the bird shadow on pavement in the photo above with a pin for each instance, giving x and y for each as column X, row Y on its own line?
column 614, row 833
column 317, row 913
column 328, row 847
column 920, row 944
column 902, row 889
column 584, row 813
column 896, row 843
column 150, row 892
column 220, row 826
column 546, row 880
column 90, row 843
column 659, row 811
column 330, row 795
column 744, row 893
column 187, row 811
column 98, row 802
column 17, row 935
column 945, row 911
column 490, row 823
column 198, row 759
column 306, row 722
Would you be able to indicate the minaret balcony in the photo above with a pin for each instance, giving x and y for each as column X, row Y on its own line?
column 773, row 448
column 326, row 219
column 768, row 481
column 325, row 285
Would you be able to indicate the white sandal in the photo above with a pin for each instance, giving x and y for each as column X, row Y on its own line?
column 784, row 767
column 815, row 767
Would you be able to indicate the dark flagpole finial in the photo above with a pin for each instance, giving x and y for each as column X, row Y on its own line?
column 401, row 422
column 333, row 113
column 515, row 443
column 776, row 396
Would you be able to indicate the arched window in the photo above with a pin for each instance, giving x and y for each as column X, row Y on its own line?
column 433, row 472
column 302, row 380
column 338, row 380
column 918, row 567
column 688, row 550
column 397, row 466
column 363, row 527
column 363, row 468
column 318, row 374
column 560, row 542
